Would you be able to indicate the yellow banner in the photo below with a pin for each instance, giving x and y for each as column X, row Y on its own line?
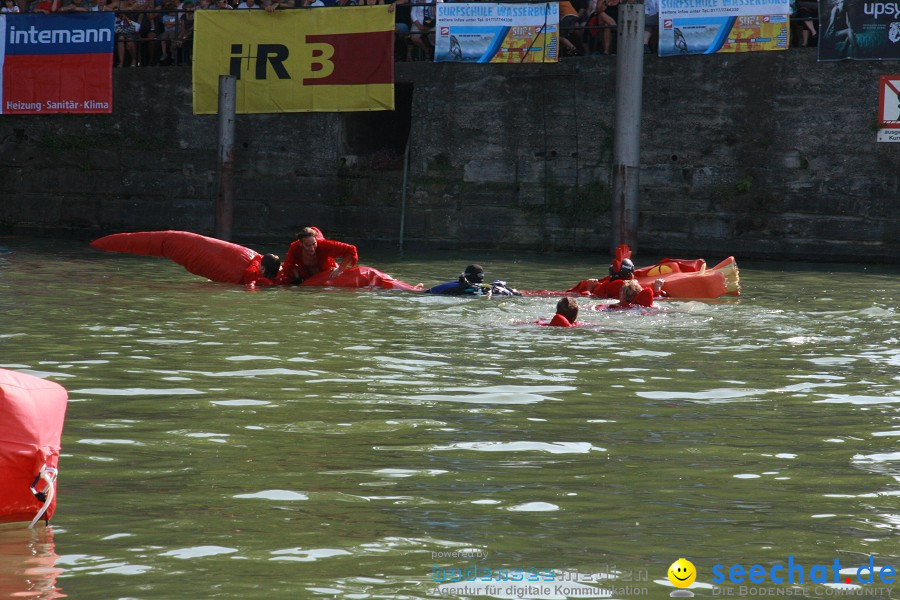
column 319, row 59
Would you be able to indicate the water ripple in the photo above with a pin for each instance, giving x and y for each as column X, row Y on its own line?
column 137, row 391
column 859, row 400
column 198, row 552
column 281, row 495
column 552, row 448
column 311, row 555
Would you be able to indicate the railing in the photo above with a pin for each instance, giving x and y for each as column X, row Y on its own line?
column 152, row 47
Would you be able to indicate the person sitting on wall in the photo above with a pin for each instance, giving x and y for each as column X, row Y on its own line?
column 599, row 27
column 803, row 13
column 126, row 38
column 184, row 46
column 471, row 282
column 312, row 254
column 571, row 30
column 566, row 313
column 169, row 36
column 148, row 47
column 421, row 24
column 651, row 25
column 45, row 7
column 74, row 6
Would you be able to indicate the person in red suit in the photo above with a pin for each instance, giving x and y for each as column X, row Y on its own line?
column 633, row 295
column 264, row 270
column 566, row 313
column 312, row 254
column 611, row 287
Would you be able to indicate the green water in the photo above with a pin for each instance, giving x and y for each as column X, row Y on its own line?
column 314, row 443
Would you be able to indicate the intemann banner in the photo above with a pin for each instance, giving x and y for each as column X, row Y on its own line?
column 323, row 59
column 481, row 32
column 56, row 63
column 859, row 30
column 712, row 26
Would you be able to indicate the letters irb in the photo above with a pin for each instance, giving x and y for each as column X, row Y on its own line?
column 263, row 59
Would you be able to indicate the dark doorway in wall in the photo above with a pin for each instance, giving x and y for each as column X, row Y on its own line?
column 377, row 139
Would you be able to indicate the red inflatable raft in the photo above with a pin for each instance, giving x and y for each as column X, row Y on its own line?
column 32, row 411
column 225, row 262
column 683, row 278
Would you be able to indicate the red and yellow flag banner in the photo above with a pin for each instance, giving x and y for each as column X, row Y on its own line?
column 321, row 59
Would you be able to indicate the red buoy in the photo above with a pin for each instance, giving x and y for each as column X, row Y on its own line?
column 32, row 411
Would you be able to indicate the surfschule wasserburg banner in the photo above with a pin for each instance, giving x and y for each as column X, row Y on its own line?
column 712, row 26
column 858, row 29
column 324, row 59
column 56, row 63
column 497, row 33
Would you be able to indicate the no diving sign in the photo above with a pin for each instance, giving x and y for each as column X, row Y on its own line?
column 889, row 109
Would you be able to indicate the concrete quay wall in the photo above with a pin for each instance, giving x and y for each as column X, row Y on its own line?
column 764, row 155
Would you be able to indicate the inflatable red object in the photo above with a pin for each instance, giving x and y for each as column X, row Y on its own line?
column 362, row 276
column 226, row 262
column 208, row 257
column 683, row 279
column 32, row 411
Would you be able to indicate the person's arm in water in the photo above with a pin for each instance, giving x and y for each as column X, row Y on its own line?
column 328, row 250
column 291, row 266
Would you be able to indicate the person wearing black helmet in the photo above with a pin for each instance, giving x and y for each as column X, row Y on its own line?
column 620, row 272
column 471, row 282
column 625, row 270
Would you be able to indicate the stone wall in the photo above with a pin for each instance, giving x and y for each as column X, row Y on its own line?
column 758, row 155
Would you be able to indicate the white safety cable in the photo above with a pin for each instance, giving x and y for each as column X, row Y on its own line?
column 48, row 474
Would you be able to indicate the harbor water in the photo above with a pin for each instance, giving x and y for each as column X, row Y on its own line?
column 335, row 443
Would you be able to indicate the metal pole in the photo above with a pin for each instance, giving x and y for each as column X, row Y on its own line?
column 225, row 183
column 627, row 137
column 403, row 193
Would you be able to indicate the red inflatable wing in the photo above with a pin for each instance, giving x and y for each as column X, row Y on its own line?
column 692, row 279
column 208, row 257
column 683, row 279
column 361, row 276
column 32, row 411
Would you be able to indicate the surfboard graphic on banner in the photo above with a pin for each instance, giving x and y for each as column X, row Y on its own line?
column 56, row 63
column 720, row 26
column 485, row 32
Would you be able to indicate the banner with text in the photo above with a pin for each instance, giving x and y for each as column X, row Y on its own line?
column 323, row 60
column 713, row 26
column 497, row 33
column 56, row 63
column 859, row 30
column 889, row 109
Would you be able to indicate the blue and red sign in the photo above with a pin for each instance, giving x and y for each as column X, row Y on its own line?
column 56, row 63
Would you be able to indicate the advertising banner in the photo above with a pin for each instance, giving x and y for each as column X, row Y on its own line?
column 56, row 63
column 322, row 60
column 889, row 109
column 859, row 30
column 482, row 32
column 713, row 26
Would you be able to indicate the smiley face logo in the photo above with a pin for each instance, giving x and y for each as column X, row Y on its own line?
column 682, row 573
